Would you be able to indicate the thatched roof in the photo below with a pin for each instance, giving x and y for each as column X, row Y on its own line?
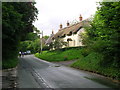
column 73, row 29
column 49, row 40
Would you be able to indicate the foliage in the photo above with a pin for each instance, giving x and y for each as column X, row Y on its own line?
column 57, row 44
column 46, row 48
column 11, row 63
column 17, row 19
column 61, row 55
column 24, row 45
column 104, row 33
column 87, row 60
column 35, row 30
column 36, row 45
column 31, row 36
column 46, row 37
column 32, row 43
column 102, row 41
column 91, row 63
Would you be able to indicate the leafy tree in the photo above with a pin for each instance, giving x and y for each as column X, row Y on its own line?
column 17, row 19
column 31, row 43
column 35, row 30
column 37, row 45
column 46, row 37
column 25, row 45
column 31, row 36
column 104, row 33
column 58, row 43
column 11, row 22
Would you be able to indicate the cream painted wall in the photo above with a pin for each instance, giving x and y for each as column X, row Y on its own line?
column 76, row 40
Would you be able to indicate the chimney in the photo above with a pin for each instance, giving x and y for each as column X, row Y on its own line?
column 80, row 18
column 68, row 23
column 60, row 26
column 52, row 32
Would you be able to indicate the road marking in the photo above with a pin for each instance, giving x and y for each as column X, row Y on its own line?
column 41, row 79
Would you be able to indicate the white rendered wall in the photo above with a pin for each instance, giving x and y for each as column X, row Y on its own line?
column 76, row 40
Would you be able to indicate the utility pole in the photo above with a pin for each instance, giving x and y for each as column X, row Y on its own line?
column 41, row 40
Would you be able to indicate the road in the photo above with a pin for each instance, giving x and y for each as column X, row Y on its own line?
column 37, row 73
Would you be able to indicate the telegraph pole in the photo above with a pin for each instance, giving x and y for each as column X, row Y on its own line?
column 41, row 40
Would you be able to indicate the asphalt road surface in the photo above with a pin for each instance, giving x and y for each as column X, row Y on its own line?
column 37, row 73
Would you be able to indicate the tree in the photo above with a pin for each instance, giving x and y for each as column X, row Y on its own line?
column 46, row 37
column 104, row 34
column 31, row 36
column 58, row 43
column 32, row 43
column 17, row 19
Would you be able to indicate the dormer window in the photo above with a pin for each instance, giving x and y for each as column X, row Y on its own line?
column 70, row 33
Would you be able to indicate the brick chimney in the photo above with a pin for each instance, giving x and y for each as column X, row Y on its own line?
column 60, row 26
column 68, row 23
column 52, row 32
column 80, row 18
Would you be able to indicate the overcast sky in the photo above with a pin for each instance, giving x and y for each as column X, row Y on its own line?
column 52, row 13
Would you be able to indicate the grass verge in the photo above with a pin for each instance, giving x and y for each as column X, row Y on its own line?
column 11, row 63
column 87, row 60
column 60, row 55
column 92, row 63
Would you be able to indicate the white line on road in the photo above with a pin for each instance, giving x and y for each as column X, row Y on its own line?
column 41, row 79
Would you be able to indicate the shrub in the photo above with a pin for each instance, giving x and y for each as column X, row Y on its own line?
column 61, row 54
column 11, row 63
column 65, row 58
column 92, row 63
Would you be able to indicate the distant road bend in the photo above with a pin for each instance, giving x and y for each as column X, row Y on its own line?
column 37, row 73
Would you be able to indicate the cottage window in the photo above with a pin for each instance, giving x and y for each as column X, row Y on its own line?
column 69, row 39
column 70, row 33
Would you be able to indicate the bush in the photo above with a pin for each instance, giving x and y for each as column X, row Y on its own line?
column 87, row 60
column 46, row 48
column 61, row 54
column 11, row 63
column 92, row 63
column 85, row 52
column 37, row 54
column 65, row 58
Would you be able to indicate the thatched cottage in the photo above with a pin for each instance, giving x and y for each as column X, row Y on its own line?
column 70, row 33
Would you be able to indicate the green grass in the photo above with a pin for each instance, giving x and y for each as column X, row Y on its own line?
column 11, row 63
column 92, row 63
column 60, row 55
column 87, row 60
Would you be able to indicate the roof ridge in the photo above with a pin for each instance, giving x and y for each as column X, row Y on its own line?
column 70, row 26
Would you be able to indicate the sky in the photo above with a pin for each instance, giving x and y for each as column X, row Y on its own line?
column 52, row 13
